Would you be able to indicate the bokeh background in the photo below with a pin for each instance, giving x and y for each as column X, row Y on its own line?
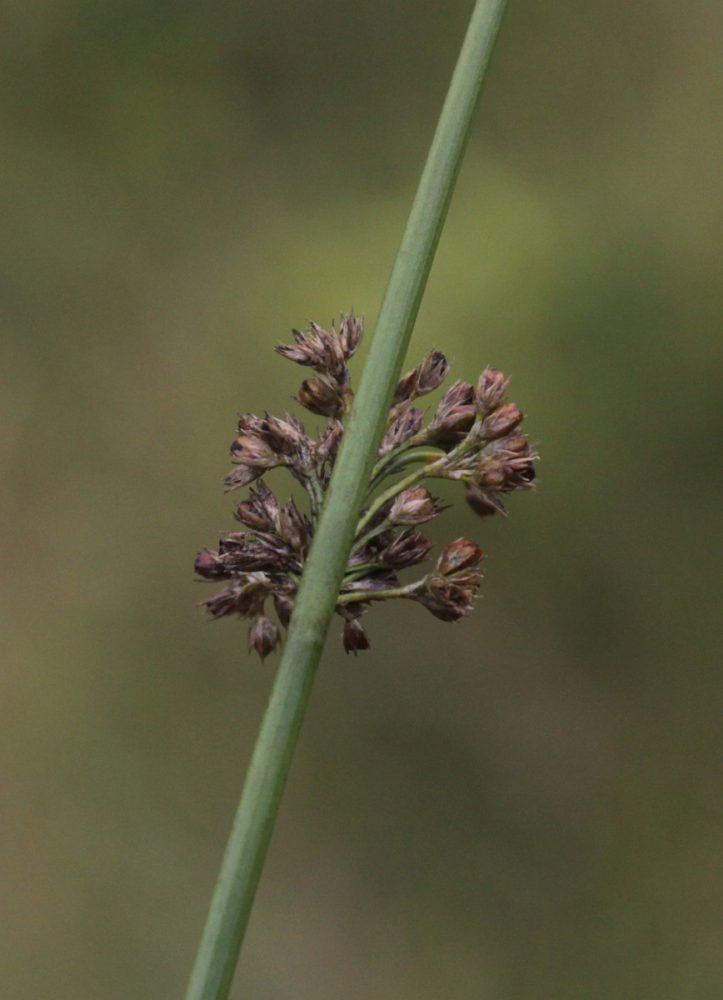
column 519, row 807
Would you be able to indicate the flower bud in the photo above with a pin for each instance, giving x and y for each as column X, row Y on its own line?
column 284, row 606
column 354, row 637
column 329, row 442
column 491, row 388
column 501, row 421
column 209, row 565
column 414, row 506
column 324, row 396
column 292, row 527
column 351, row 331
column 241, row 477
column 449, row 598
column 491, row 474
column 404, row 427
column 263, row 635
column 459, row 555
column 431, row 373
column 318, row 349
column 407, row 549
column 252, row 450
column 455, row 414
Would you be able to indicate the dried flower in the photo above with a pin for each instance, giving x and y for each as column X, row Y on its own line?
column 354, row 637
column 455, row 414
column 351, row 331
column 407, row 549
column 324, row 396
column 491, row 389
column 450, row 597
column 414, row 506
column 501, row 421
column 425, row 378
column 474, row 437
column 284, row 605
column 459, row 555
column 264, row 636
column 402, row 429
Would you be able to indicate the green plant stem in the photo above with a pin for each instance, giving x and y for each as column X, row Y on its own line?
column 379, row 595
column 242, row 863
column 401, row 458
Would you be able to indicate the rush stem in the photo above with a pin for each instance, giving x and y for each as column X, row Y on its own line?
column 243, row 860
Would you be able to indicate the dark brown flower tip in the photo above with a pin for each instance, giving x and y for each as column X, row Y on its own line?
column 455, row 414
column 260, row 511
column 506, row 465
column 491, row 389
column 294, row 529
column 355, row 636
column 244, row 596
column 459, row 555
column 264, row 636
column 324, row 396
column 432, row 372
column 404, row 427
column 482, row 503
column 318, row 349
column 414, row 506
column 351, row 331
column 329, row 442
column 285, row 436
column 423, row 379
column 241, row 477
column 252, row 450
column 209, row 565
column 501, row 421
column 450, row 597
column 284, row 605
column 407, row 549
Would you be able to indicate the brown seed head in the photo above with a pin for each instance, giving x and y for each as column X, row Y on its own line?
column 351, row 331
column 450, row 598
column 354, row 637
column 329, row 442
column 284, row 605
column 241, row 476
column 209, row 565
column 404, row 427
column 459, row 555
column 324, row 396
column 455, row 414
column 501, row 421
column 261, row 510
column 318, row 349
column 491, row 388
column 244, row 596
column 263, row 635
column 431, row 373
column 408, row 548
column 414, row 506
column 251, row 450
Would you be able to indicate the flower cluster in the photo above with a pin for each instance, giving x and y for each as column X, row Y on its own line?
column 473, row 436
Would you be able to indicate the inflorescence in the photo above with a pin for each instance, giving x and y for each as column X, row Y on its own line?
column 474, row 437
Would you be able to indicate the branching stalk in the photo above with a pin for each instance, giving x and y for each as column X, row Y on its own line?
column 241, row 867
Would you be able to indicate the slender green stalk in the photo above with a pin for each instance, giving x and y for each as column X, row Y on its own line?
column 400, row 458
column 251, row 832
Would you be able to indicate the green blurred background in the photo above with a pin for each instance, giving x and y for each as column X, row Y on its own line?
column 519, row 807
